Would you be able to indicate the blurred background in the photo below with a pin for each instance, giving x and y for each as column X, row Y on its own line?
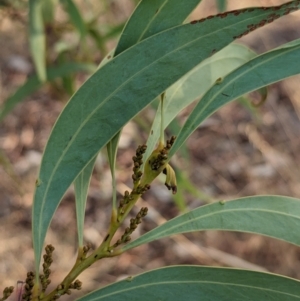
column 241, row 150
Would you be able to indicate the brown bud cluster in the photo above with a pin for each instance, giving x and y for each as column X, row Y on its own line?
column 77, row 285
column 137, row 163
column 45, row 281
column 128, row 197
column 29, row 283
column 134, row 222
column 141, row 189
column 170, row 143
column 160, row 160
column 7, row 292
column 62, row 290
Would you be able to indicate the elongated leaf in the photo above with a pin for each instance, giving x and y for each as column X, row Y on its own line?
column 194, row 84
column 37, row 38
column 274, row 216
column 33, row 83
column 75, row 17
column 178, row 283
column 151, row 17
column 48, row 10
column 259, row 72
column 81, row 185
column 114, row 95
column 82, row 181
column 112, row 148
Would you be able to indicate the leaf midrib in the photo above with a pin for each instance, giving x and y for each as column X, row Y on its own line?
column 229, row 211
column 163, row 283
column 168, row 231
column 151, row 21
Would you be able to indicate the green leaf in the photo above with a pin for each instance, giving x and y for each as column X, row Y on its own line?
column 261, row 71
column 151, row 17
column 112, row 148
column 111, row 153
column 81, row 185
column 75, row 17
column 114, row 95
column 221, row 4
column 274, row 216
column 48, row 10
column 33, row 83
column 37, row 38
column 177, row 283
column 194, row 84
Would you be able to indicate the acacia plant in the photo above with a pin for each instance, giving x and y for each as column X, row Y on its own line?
column 158, row 57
